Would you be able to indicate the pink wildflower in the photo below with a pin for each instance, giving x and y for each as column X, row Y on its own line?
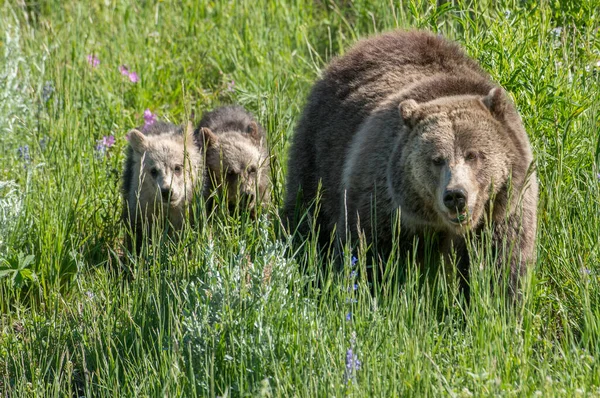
column 108, row 141
column 133, row 77
column 103, row 145
column 93, row 60
column 149, row 118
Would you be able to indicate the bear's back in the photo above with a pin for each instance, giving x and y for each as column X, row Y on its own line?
column 392, row 60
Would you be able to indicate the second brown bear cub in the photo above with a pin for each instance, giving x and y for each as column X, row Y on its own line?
column 236, row 157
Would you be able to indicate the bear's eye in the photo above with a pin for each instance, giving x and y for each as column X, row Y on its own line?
column 231, row 174
column 438, row 161
column 154, row 172
column 251, row 170
column 470, row 156
column 178, row 169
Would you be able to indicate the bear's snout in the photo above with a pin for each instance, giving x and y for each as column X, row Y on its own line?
column 455, row 199
column 166, row 194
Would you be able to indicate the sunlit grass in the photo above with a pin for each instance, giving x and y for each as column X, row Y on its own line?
column 227, row 310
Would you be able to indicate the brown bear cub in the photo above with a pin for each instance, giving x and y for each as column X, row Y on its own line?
column 236, row 156
column 407, row 121
column 162, row 169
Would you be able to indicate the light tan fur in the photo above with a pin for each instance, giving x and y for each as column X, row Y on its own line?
column 165, row 169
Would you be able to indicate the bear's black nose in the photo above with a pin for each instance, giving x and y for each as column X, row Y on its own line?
column 455, row 199
column 166, row 193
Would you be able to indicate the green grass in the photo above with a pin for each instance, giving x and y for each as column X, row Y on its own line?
column 226, row 311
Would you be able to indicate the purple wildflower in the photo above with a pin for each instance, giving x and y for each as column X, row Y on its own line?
column 149, row 118
column 353, row 261
column 349, row 316
column 353, row 287
column 23, row 152
column 231, row 86
column 103, row 145
column 352, row 365
column 598, row 176
column 349, row 359
column 353, row 274
column 124, row 70
column 133, row 77
column 93, row 60
column 586, row 271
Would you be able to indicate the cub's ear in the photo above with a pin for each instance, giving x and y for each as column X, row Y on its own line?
column 409, row 110
column 207, row 138
column 496, row 102
column 137, row 140
column 252, row 130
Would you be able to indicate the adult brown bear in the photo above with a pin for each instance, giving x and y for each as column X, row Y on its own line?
column 406, row 120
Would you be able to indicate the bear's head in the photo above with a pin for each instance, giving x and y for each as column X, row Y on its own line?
column 167, row 165
column 456, row 156
column 237, row 165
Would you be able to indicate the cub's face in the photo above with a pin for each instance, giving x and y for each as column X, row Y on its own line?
column 167, row 174
column 457, row 161
column 236, row 167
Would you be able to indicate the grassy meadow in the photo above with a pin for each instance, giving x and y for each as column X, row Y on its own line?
column 227, row 311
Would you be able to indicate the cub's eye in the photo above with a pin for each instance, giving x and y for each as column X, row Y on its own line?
column 178, row 169
column 230, row 174
column 470, row 156
column 251, row 169
column 438, row 161
column 154, row 172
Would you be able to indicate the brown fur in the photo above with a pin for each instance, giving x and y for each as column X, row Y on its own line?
column 162, row 169
column 373, row 126
column 237, row 160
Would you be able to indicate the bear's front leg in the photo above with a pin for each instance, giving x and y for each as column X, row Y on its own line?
column 514, row 245
column 455, row 256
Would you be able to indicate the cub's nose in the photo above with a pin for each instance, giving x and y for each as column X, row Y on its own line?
column 166, row 193
column 455, row 199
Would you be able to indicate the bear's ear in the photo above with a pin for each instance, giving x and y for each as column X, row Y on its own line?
column 252, row 130
column 409, row 112
column 137, row 140
column 207, row 137
column 496, row 102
